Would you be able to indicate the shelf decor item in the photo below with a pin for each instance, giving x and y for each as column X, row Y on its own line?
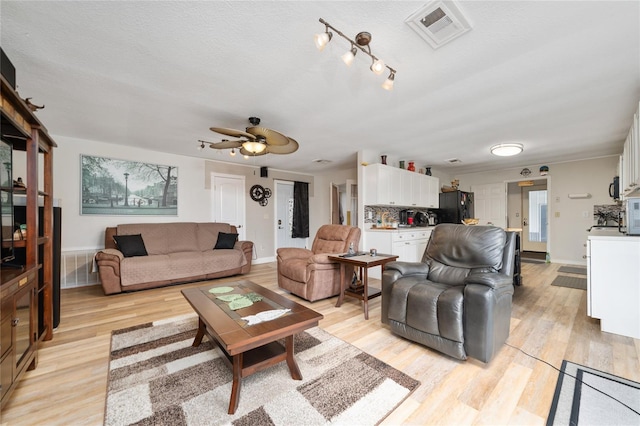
column 402, row 164
column 411, row 167
column 383, row 159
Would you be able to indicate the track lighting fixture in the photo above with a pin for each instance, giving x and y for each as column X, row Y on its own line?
column 361, row 42
column 233, row 152
column 201, row 147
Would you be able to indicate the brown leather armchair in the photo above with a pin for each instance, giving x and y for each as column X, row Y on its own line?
column 309, row 273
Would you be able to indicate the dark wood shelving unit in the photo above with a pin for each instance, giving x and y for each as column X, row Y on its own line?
column 26, row 287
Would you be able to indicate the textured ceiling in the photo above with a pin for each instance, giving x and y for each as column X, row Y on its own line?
column 562, row 78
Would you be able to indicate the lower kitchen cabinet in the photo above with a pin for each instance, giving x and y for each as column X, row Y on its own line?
column 613, row 283
column 409, row 244
column 18, row 319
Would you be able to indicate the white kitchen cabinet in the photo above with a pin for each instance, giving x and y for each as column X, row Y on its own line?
column 613, row 283
column 391, row 186
column 630, row 164
column 409, row 244
column 382, row 183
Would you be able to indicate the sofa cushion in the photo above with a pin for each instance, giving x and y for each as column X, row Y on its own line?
column 177, row 266
column 131, row 245
column 226, row 241
column 208, row 234
column 164, row 239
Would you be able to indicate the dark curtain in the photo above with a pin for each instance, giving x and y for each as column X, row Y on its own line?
column 300, row 210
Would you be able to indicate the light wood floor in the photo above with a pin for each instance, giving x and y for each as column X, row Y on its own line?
column 69, row 385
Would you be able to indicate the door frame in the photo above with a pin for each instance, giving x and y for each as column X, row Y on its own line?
column 550, row 222
column 277, row 201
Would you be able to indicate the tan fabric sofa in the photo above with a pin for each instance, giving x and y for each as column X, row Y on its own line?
column 177, row 252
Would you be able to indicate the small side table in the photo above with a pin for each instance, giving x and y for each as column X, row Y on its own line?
column 364, row 262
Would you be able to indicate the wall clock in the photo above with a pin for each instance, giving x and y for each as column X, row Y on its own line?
column 260, row 194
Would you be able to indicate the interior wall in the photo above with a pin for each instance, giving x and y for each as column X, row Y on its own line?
column 569, row 219
column 86, row 232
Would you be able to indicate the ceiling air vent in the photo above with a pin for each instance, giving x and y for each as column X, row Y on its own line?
column 454, row 161
column 439, row 22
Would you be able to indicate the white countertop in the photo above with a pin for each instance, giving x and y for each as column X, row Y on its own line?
column 413, row 229
column 609, row 234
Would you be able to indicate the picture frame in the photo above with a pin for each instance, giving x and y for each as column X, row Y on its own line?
column 117, row 187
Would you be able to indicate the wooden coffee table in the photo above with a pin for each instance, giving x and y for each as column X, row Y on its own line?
column 249, row 348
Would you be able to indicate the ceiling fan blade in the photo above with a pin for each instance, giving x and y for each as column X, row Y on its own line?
column 271, row 136
column 226, row 144
column 251, row 154
column 289, row 148
column 232, row 132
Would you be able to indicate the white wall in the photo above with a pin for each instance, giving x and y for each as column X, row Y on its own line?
column 86, row 232
column 569, row 219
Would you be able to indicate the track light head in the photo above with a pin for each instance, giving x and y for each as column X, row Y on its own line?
column 323, row 39
column 348, row 57
column 233, row 152
column 201, row 147
column 388, row 83
column 377, row 66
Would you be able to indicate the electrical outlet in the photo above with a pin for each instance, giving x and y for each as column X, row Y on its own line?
column 557, row 214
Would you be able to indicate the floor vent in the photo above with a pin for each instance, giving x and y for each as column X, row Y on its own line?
column 439, row 22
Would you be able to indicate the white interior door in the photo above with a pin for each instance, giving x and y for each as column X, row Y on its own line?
column 534, row 218
column 284, row 217
column 490, row 205
column 229, row 201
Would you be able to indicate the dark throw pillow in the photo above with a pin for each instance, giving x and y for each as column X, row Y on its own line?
column 130, row 245
column 226, row 241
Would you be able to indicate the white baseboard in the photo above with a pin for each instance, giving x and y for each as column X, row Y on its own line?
column 261, row 260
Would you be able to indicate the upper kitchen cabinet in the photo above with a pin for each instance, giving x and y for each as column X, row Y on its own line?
column 630, row 161
column 390, row 186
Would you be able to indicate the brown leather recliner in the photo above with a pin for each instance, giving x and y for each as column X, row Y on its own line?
column 309, row 273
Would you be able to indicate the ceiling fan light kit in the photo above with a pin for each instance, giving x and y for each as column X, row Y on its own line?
column 254, row 141
column 362, row 43
column 506, row 149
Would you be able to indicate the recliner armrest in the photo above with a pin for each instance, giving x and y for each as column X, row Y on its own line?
column 408, row 268
column 294, row 253
column 490, row 279
column 321, row 258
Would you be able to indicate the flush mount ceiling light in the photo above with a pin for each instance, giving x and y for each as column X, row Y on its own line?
column 362, row 43
column 506, row 149
column 253, row 141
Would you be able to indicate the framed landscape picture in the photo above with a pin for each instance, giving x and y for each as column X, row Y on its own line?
column 130, row 188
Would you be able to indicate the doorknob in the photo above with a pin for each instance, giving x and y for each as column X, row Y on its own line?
column 239, row 226
column 524, row 222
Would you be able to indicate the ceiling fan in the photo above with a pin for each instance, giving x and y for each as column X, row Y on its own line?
column 255, row 140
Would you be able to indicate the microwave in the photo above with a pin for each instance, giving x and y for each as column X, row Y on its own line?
column 632, row 215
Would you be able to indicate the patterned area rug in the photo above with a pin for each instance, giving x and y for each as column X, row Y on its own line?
column 157, row 378
column 585, row 396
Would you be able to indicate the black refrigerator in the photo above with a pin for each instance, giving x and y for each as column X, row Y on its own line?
column 455, row 206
